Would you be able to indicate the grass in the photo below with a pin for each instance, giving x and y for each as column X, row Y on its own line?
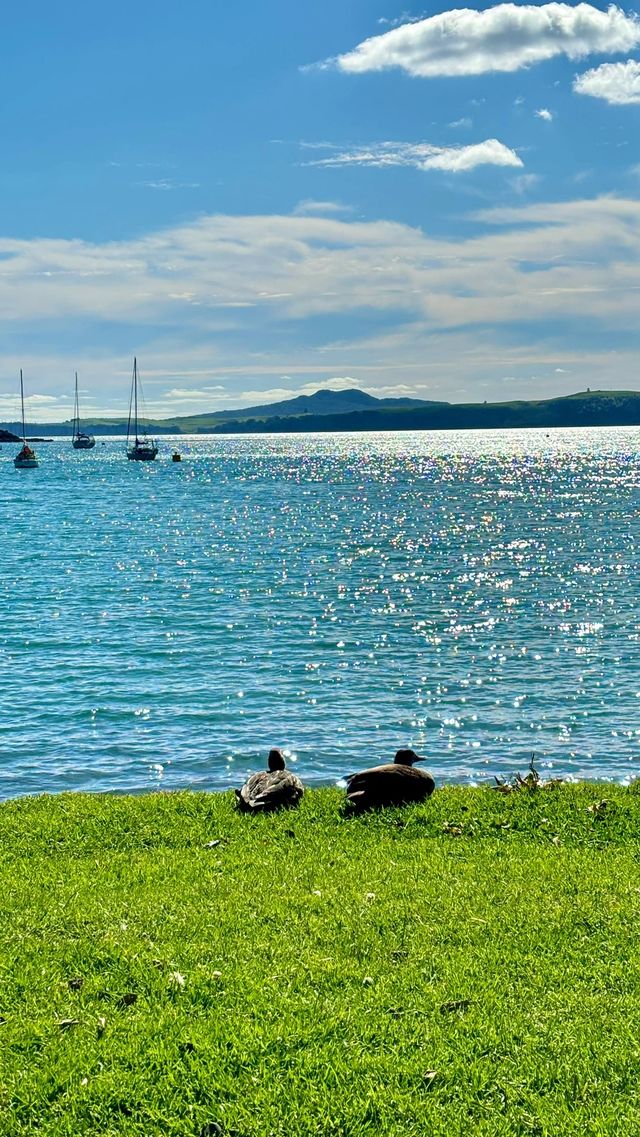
column 467, row 966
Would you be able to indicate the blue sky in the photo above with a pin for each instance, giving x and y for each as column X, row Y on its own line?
column 263, row 200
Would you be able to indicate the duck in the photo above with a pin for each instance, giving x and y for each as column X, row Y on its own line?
column 395, row 783
column 274, row 788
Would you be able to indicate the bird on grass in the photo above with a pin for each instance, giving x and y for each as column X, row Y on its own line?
column 396, row 783
column 274, row 788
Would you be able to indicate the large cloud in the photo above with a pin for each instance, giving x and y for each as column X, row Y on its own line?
column 617, row 83
column 220, row 273
column 225, row 300
column 424, row 156
column 503, row 38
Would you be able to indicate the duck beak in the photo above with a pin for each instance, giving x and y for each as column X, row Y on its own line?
column 408, row 757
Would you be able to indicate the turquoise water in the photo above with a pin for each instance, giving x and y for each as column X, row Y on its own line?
column 474, row 595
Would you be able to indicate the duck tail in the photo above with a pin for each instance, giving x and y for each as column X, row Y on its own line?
column 356, row 800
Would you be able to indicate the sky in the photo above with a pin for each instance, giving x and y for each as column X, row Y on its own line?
column 262, row 200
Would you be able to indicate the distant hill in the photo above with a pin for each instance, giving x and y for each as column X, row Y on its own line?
column 585, row 408
column 323, row 402
column 355, row 410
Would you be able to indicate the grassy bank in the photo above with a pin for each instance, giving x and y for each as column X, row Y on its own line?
column 471, row 965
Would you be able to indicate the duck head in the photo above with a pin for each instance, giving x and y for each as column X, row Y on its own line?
column 276, row 761
column 407, row 758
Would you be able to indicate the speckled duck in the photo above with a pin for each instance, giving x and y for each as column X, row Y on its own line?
column 274, row 788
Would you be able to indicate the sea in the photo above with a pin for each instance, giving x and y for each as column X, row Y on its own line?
column 473, row 595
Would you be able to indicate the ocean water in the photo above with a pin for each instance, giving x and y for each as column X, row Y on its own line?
column 473, row 595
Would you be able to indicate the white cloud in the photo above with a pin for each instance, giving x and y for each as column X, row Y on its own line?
column 488, row 153
column 523, row 183
column 36, row 406
column 424, row 156
column 168, row 184
column 338, row 383
column 404, row 391
column 269, row 287
column 197, row 393
column 545, row 114
column 403, row 18
column 42, row 398
column 617, row 83
column 278, row 267
column 505, row 37
column 310, row 207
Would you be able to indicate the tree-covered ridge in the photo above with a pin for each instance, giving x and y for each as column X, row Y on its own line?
column 354, row 410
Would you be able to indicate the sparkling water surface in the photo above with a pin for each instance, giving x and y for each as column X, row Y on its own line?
column 471, row 594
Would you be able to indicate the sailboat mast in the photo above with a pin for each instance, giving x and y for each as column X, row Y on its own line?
column 76, row 412
column 135, row 394
column 22, row 404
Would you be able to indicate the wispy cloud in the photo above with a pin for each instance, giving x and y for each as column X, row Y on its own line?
column 617, row 83
column 505, row 37
column 545, row 114
column 424, row 156
column 309, row 208
column 403, row 18
column 199, row 394
column 36, row 406
column 290, row 267
column 168, row 184
column 523, row 183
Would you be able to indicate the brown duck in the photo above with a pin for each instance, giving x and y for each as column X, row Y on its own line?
column 274, row 788
column 394, row 784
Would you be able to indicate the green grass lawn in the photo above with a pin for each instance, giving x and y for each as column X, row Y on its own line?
column 466, row 966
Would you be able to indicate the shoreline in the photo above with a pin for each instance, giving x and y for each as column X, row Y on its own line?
column 579, row 409
column 521, row 786
column 500, row 784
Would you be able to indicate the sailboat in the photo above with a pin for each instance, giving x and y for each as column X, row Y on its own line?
column 141, row 449
column 80, row 440
column 26, row 459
